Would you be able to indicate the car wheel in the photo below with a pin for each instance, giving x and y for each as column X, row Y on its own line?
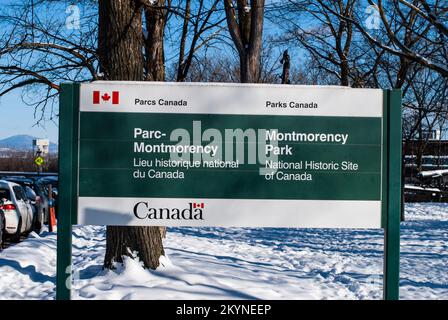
column 16, row 236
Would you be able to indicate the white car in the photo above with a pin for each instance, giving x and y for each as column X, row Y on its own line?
column 16, row 208
column 2, row 228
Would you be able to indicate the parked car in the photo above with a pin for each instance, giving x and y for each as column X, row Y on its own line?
column 17, row 210
column 45, row 182
column 2, row 229
column 38, row 195
column 413, row 193
column 50, row 180
column 38, row 211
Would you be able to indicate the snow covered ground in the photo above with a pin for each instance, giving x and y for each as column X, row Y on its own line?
column 237, row 263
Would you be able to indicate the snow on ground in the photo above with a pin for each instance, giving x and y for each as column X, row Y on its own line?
column 243, row 263
column 27, row 270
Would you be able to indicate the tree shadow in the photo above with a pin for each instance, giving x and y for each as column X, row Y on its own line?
column 29, row 271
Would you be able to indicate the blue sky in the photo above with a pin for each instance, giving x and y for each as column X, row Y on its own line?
column 18, row 118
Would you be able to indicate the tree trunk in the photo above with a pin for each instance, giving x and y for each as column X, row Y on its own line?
column 183, row 40
column 246, row 28
column 120, row 43
column 124, row 241
column 286, row 66
column 344, row 73
column 250, row 67
column 155, row 16
column 120, row 40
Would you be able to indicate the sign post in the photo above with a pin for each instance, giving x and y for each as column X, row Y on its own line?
column 140, row 153
column 68, row 149
column 393, row 195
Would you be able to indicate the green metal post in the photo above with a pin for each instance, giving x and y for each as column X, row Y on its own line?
column 393, row 201
column 68, row 115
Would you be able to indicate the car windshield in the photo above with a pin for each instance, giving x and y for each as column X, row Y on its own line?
column 30, row 194
column 43, row 188
column 19, row 193
column 54, row 187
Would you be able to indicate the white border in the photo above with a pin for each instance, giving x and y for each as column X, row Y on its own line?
column 225, row 98
column 332, row 101
column 237, row 212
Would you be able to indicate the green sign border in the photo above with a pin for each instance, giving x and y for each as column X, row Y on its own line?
column 68, row 189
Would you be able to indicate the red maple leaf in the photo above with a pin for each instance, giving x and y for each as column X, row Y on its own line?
column 105, row 97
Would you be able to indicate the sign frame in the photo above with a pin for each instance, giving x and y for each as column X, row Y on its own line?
column 69, row 113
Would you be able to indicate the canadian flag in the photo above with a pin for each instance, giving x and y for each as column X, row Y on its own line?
column 198, row 205
column 99, row 97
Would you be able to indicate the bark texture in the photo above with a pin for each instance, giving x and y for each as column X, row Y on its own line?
column 285, row 61
column 183, row 40
column 245, row 23
column 120, row 39
column 120, row 47
column 155, row 17
column 145, row 242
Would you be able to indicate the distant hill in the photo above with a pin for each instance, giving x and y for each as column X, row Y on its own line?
column 23, row 142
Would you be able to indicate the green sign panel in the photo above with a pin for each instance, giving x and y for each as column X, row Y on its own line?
column 119, row 163
column 171, row 154
column 295, row 156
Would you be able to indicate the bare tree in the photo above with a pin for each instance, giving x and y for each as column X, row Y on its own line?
column 285, row 61
column 202, row 26
column 155, row 19
column 37, row 54
column 423, row 19
column 328, row 39
column 245, row 24
column 213, row 69
column 425, row 106
column 24, row 161
column 121, row 58
column 108, row 43
column 156, row 15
